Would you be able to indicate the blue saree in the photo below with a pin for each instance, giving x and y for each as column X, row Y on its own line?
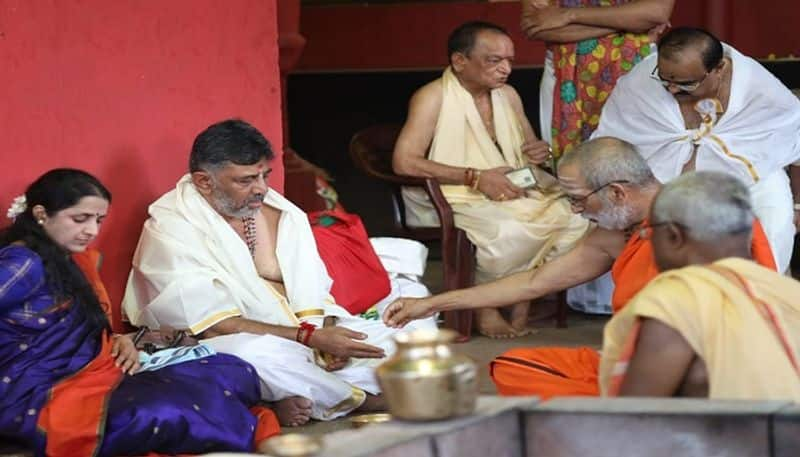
column 193, row 407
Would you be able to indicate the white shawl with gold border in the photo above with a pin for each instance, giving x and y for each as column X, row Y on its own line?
column 192, row 270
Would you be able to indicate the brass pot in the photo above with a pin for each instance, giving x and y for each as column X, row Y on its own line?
column 425, row 380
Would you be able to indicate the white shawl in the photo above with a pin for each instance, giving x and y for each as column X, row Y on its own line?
column 461, row 138
column 192, row 270
column 761, row 125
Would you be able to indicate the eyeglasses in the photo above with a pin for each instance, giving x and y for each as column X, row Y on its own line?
column 686, row 86
column 579, row 201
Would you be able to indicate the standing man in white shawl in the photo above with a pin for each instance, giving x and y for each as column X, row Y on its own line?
column 236, row 263
column 701, row 105
column 468, row 129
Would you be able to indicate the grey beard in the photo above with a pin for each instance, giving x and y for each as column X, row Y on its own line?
column 614, row 217
column 227, row 207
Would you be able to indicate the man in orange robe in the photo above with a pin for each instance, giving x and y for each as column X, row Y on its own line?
column 608, row 182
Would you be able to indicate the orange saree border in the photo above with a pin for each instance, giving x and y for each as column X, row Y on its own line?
column 267, row 426
column 73, row 419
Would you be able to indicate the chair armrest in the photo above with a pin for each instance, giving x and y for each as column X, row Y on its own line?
column 443, row 208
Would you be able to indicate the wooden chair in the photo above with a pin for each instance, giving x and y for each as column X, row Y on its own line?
column 371, row 151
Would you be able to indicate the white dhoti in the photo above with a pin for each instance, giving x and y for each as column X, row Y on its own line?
column 547, row 88
column 191, row 270
column 774, row 208
column 753, row 139
column 593, row 296
column 288, row 368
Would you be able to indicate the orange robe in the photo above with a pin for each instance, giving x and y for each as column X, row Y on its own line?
column 557, row 371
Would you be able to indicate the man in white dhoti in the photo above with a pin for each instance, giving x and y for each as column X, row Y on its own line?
column 701, row 105
column 468, row 129
column 236, row 263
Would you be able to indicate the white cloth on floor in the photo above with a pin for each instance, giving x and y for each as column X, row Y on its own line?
column 405, row 261
column 192, row 270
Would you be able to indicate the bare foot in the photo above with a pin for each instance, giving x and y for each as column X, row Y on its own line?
column 372, row 403
column 518, row 316
column 491, row 323
column 292, row 411
column 525, row 331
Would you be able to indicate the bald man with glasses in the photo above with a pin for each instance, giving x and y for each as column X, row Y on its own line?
column 699, row 104
column 608, row 182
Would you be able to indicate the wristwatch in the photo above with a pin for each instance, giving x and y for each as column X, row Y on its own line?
column 797, row 206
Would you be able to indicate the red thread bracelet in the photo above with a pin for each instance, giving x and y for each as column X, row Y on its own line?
column 308, row 329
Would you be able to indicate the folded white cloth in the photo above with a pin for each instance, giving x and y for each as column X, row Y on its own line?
column 401, row 256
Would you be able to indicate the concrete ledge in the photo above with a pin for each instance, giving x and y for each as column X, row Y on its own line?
column 494, row 430
column 497, row 436
column 581, row 427
column 786, row 432
column 648, row 426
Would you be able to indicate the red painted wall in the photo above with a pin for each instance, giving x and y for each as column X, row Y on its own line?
column 761, row 28
column 414, row 35
column 120, row 88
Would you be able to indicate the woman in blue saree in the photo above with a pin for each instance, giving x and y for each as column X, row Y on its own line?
column 68, row 387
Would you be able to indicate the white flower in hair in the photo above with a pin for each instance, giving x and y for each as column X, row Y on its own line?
column 18, row 206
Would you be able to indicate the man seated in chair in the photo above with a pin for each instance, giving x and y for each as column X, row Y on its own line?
column 714, row 323
column 607, row 181
column 468, row 129
column 234, row 262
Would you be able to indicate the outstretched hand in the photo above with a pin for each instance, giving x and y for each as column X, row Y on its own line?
column 125, row 354
column 404, row 310
column 342, row 343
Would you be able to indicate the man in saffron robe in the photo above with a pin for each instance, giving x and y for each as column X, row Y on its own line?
column 714, row 324
column 607, row 181
column 468, row 129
